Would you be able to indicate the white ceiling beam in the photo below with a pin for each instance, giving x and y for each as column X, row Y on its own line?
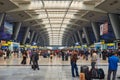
column 38, row 18
column 81, row 7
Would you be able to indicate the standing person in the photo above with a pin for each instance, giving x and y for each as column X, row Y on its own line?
column 35, row 58
column 86, row 54
column 49, row 53
column 66, row 55
column 51, row 56
column 63, row 55
column 93, row 59
column 104, row 54
column 73, row 63
column 113, row 65
column 30, row 55
column 7, row 53
column 24, row 54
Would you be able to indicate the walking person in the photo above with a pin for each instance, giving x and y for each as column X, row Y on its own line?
column 35, row 58
column 74, row 67
column 86, row 54
column 7, row 53
column 51, row 56
column 93, row 59
column 112, row 67
column 30, row 55
column 24, row 54
column 63, row 55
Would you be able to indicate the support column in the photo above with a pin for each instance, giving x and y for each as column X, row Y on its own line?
column 45, row 42
column 35, row 39
column 71, row 42
column 26, row 34
column 67, row 41
column 16, row 30
column 96, row 30
column 80, row 37
column 38, row 40
column 115, row 22
column 32, row 35
column 42, row 42
column 2, row 17
column 75, row 38
column 86, row 35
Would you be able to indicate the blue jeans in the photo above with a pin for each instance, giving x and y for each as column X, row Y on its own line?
column 74, row 67
column 109, row 74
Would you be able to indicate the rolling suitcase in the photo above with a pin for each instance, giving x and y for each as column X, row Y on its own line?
column 82, row 76
column 85, row 69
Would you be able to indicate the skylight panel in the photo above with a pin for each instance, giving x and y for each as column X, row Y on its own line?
column 56, row 4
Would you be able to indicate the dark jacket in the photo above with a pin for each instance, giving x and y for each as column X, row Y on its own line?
column 74, row 58
column 35, row 56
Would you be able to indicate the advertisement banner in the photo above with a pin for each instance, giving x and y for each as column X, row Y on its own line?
column 104, row 28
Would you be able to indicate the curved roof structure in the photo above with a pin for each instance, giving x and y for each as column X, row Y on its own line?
column 57, row 19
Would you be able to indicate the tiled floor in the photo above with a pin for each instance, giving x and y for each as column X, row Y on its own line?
column 46, row 61
column 55, row 70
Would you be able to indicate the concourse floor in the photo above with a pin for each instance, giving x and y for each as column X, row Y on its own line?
column 13, row 60
column 56, row 70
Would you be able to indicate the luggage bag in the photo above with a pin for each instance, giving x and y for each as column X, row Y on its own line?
column 97, row 73
column 101, row 74
column 85, row 69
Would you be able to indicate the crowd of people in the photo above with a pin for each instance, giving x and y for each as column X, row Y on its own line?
column 111, row 55
column 113, row 59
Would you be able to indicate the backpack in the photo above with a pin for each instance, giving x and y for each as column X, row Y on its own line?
column 101, row 74
column 94, row 73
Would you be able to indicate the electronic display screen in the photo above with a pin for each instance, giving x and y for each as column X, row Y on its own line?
column 8, row 28
column 6, row 31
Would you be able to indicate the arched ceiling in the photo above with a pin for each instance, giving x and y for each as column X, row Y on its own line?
column 56, row 17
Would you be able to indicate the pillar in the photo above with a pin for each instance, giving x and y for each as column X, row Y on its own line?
column 73, row 39
column 32, row 35
column 96, row 30
column 86, row 35
column 35, row 38
column 80, row 37
column 16, row 30
column 76, row 40
column 2, row 17
column 37, row 41
column 115, row 22
column 25, row 35
column 71, row 42
column 42, row 42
